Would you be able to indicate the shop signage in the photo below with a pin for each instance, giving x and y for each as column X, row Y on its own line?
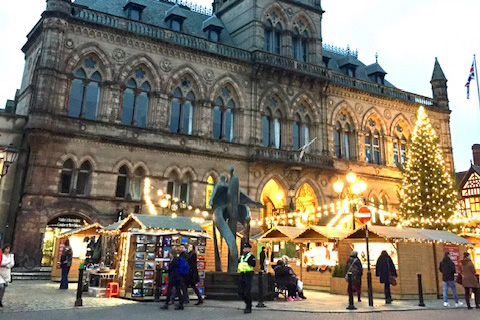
column 453, row 252
column 364, row 214
column 67, row 222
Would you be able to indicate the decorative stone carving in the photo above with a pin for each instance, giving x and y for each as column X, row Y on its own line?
column 359, row 109
column 330, row 102
column 208, row 75
column 413, row 119
column 119, row 55
column 324, row 182
column 387, row 114
column 290, row 91
column 245, row 83
column 290, row 11
column 166, row 65
column 69, row 43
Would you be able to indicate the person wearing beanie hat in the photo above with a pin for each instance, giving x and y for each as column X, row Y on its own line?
column 246, row 263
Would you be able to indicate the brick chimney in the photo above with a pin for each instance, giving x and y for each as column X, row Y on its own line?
column 476, row 154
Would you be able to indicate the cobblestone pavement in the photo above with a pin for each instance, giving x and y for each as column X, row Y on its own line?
column 150, row 311
column 44, row 295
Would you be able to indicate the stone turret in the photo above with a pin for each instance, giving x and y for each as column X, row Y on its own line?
column 63, row 6
column 439, row 86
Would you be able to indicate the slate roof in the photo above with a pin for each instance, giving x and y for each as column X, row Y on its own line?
column 194, row 24
column 154, row 14
column 438, row 72
column 374, row 68
column 411, row 234
column 159, row 222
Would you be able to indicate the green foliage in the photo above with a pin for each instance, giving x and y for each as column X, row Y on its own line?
column 427, row 197
column 340, row 271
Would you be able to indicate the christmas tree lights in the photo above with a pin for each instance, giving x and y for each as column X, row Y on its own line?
column 427, row 196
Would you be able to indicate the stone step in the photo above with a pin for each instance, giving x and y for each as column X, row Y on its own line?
column 30, row 275
column 230, row 296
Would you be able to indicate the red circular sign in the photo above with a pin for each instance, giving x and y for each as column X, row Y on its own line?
column 364, row 214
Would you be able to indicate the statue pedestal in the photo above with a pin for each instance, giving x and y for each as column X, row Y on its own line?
column 224, row 286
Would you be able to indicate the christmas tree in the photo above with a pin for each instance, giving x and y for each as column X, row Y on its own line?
column 427, row 196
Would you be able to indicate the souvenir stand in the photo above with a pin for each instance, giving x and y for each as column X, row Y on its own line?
column 145, row 245
column 77, row 238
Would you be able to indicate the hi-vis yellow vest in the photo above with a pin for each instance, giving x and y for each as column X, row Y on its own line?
column 243, row 265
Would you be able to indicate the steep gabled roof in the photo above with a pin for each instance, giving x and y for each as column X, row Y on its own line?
column 438, row 72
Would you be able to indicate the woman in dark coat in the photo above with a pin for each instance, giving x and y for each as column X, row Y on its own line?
column 469, row 280
column 284, row 279
column 354, row 265
column 385, row 269
column 65, row 264
column 192, row 278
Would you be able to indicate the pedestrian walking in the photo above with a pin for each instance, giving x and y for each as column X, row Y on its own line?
column 65, row 264
column 177, row 270
column 192, row 277
column 385, row 269
column 354, row 265
column 447, row 268
column 246, row 263
column 6, row 264
column 469, row 280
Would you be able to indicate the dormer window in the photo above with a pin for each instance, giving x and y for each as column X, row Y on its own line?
column 134, row 10
column 213, row 35
column 176, row 24
column 175, row 17
column 213, row 27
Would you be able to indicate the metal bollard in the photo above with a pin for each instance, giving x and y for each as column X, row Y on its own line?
column 78, row 301
column 421, row 303
column 260, row 303
column 351, row 306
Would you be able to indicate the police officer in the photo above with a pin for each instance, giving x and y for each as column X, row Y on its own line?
column 246, row 263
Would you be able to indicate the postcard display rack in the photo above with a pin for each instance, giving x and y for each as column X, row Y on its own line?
column 150, row 254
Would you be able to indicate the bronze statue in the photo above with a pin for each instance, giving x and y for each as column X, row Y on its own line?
column 230, row 206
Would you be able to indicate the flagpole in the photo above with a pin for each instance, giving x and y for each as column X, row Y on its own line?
column 476, row 79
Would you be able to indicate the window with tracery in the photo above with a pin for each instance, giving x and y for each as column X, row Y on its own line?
column 273, row 33
column 136, row 100
column 182, row 108
column 223, row 114
column 399, row 146
column 300, row 41
column 85, row 90
column 344, row 138
column 271, row 125
column 373, row 140
column 301, row 128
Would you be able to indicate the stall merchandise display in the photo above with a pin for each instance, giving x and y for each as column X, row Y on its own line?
column 152, row 255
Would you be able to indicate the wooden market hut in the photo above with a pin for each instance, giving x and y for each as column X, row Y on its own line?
column 145, row 245
column 416, row 250
column 79, row 249
column 475, row 251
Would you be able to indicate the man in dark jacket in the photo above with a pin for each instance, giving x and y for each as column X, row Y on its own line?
column 285, row 279
column 175, row 280
column 263, row 257
column 385, row 269
column 246, row 263
column 447, row 268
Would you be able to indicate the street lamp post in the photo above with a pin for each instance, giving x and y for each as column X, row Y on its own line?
column 352, row 189
column 10, row 155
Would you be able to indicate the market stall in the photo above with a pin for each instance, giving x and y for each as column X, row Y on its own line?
column 146, row 242
column 475, row 250
column 79, row 239
column 413, row 251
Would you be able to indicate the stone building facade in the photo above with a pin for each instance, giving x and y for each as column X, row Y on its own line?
column 118, row 90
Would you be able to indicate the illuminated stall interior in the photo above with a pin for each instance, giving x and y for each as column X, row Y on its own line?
column 305, row 199
column 475, row 251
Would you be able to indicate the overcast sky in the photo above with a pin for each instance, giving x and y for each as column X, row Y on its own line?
column 407, row 35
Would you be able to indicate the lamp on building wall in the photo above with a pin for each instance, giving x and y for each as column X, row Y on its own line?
column 352, row 189
column 10, row 155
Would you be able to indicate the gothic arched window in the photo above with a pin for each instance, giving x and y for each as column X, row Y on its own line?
column 136, row 100
column 223, row 115
column 271, row 125
column 136, row 184
column 344, row 138
column 85, row 91
column 373, row 139
column 301, row 128
column 66, row 177
column 299, row 44
column 122, row 183
column 182, row 108
column 83, row 178
column 273, row 34
column 399, row 146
